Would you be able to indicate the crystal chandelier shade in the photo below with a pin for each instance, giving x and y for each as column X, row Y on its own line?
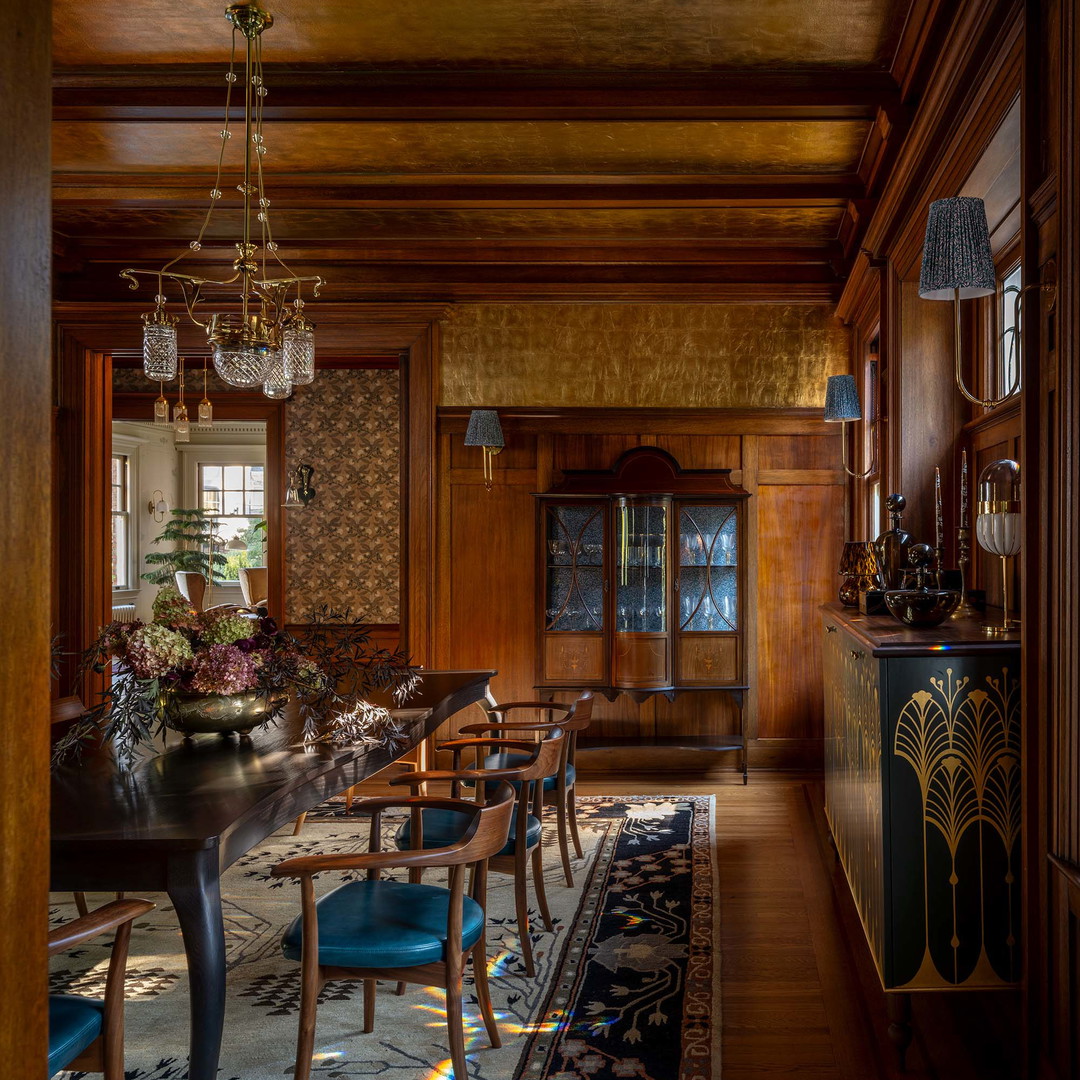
column 298, row 350
column 277, row 383
column 257, row 319
column 159, row 350
column 240, row 366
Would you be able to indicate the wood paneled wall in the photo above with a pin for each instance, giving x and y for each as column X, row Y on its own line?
column 25, row 548
column 787, row 459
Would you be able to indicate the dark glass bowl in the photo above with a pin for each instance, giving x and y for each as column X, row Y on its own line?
column 922, row 607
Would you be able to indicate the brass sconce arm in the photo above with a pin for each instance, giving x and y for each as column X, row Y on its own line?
column 990, row 403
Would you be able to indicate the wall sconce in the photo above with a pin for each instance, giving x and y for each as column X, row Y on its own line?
column 957, row 264
column 300, row 491
column 485, row 431
column 842, row 405
column 997, row 526
column 157, row 507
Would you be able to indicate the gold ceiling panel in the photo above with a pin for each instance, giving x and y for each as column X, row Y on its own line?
column 812, row 224
column 544, row 148
column 638, row 355
column 581, row 35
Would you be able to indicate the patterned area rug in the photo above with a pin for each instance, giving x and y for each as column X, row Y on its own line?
column 627, row 983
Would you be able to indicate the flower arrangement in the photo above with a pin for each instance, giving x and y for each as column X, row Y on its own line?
column 329, row 669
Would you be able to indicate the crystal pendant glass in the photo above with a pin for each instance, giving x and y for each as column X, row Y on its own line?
column 206, row 413
column 181, row 425
column 161, row 412
column 241, row 367
column 298, row 348
column 277, row 383
column 159, row 351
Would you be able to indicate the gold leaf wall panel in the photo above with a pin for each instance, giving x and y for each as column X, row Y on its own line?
column 344, row 549
column 641, row 355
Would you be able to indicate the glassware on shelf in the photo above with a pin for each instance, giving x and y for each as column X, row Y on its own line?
column 727, row 549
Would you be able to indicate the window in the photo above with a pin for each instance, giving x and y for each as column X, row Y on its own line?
column 234, row 492
column 1009, row 348
column 120, row 503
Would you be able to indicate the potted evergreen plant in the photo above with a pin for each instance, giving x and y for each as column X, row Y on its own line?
column 193, row 532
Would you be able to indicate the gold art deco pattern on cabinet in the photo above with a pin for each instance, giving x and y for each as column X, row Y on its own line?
column 343, row 550
column 640, row 355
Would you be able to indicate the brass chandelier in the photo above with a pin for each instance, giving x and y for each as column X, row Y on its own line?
column 263, row 339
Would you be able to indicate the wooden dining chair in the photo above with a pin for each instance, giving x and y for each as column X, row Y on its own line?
column 523, row 845
column 379, row 929
column 559, row 788
column 88, row 1033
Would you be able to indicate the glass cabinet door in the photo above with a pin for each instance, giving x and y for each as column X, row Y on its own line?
column 641, row 572
column 708, row 569
column 574, row 560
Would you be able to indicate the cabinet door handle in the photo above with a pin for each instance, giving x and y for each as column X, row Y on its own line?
column 830, row 629
column 856, row 655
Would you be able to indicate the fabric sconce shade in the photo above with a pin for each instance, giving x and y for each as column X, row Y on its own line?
column 842, row 399
column 484, row 429
column 956, row 251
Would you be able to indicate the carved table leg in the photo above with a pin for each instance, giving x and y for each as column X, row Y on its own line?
column 899, row 1011
column 194, row 888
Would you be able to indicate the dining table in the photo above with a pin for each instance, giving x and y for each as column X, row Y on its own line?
column 182, row 812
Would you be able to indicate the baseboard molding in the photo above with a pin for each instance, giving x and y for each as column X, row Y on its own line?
column 798, row 755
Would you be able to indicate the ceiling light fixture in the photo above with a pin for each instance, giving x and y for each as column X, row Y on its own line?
column 262, row 334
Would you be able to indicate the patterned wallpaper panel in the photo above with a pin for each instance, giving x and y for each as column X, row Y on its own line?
column 636, row 355
column 343, row 549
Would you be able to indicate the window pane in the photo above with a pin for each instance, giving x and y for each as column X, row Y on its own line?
column 211, row 500
column 234, row 503
column 254, row 502
column 210, row 477
column 119, row 552
column 1010, row 342
column 254, row 478
column 234, row 477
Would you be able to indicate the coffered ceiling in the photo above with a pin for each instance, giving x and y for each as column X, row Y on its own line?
column 452, row 149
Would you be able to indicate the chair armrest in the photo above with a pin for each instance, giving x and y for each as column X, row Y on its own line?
column 306, row 865
column 549, row 706
column 450, row 775
column 510, row 744
column 377, row 805
column 540, row 725
column 98, row 921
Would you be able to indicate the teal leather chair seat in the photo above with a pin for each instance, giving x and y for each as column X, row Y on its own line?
column 74, row 1023
column 384, row 924
column 442, row 828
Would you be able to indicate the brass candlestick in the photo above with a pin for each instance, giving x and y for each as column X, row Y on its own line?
column 966, row 610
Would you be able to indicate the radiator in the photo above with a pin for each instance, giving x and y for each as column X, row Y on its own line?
column 123, row 613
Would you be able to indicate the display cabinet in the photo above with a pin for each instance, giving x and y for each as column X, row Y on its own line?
column 642, row 582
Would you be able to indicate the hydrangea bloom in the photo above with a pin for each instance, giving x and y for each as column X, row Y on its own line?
column 113, row 639
column 152, row 650
column 224, row 669
column 223, row 627
column 171, row 607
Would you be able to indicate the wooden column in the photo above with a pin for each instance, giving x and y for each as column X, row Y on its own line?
column 25, row 485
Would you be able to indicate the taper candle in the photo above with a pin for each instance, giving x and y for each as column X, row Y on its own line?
column 939, row 523
column 963, row 489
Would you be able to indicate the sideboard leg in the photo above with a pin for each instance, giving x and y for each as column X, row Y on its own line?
column 899, row 1011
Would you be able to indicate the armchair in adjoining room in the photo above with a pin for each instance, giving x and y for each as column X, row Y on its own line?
column 88, row 1033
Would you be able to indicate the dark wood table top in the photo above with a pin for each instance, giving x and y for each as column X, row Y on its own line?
column 199, row 793
column 886, row 636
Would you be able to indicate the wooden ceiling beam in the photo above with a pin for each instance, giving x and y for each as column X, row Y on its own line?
column 475, row 192
column 581, row 251
column 187, row 92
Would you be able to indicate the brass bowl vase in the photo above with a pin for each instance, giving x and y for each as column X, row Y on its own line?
column 922, row 607
column 219, row 714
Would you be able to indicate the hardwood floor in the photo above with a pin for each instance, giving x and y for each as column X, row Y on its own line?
column 800, row 993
